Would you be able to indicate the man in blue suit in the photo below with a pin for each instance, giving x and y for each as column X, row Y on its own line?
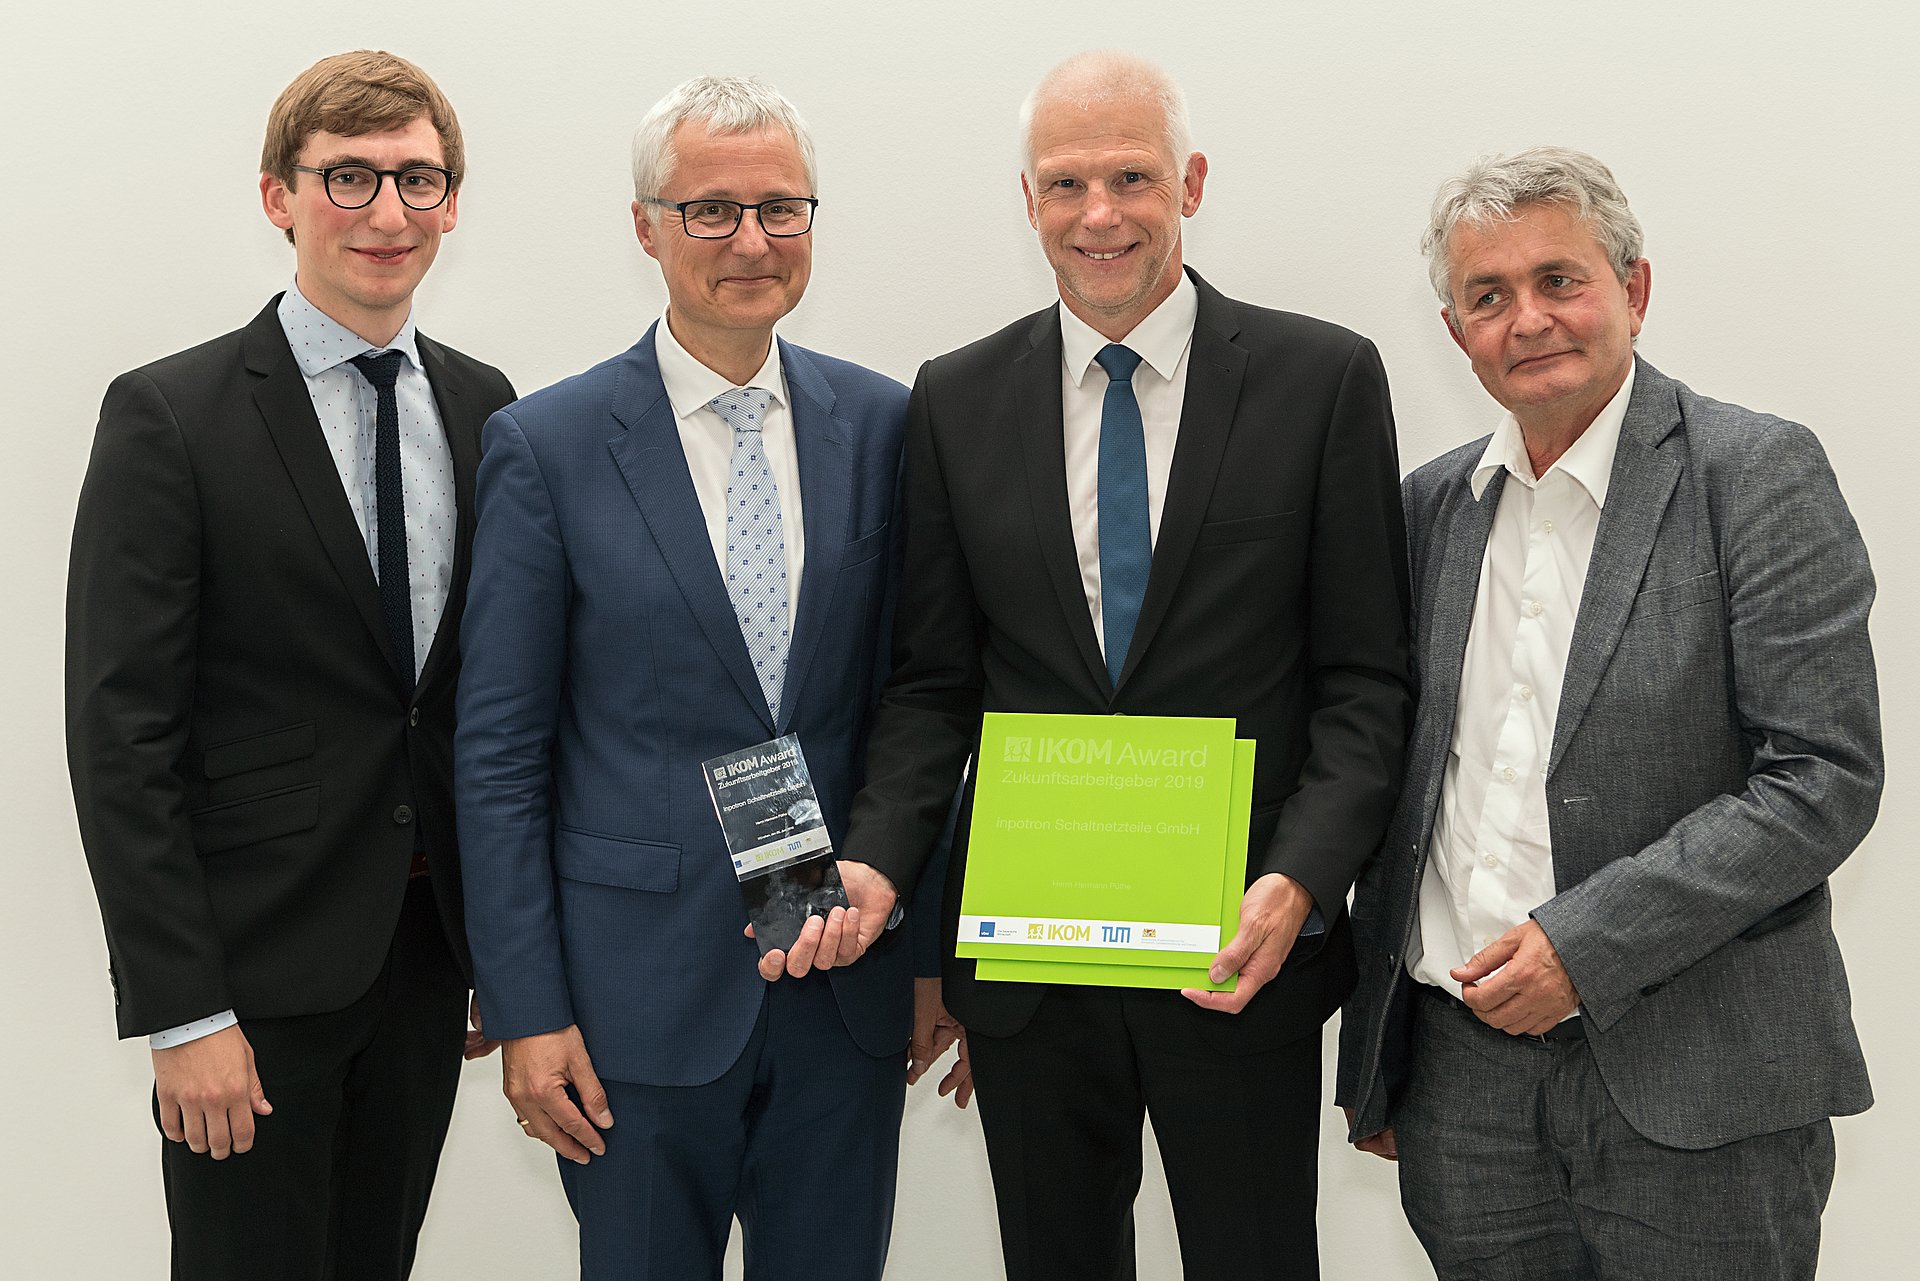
column 685, row 551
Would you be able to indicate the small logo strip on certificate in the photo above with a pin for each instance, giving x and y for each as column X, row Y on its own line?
column 1028, row 931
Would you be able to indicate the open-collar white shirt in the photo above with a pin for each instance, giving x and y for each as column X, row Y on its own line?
column 1491, row 859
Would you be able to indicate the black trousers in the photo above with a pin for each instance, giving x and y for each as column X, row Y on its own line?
column 336, row 1184
column 1061, row 1104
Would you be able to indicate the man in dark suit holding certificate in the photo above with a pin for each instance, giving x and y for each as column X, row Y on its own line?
column 1152, row 500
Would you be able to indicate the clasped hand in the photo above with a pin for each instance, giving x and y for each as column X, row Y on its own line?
column 1517, row 984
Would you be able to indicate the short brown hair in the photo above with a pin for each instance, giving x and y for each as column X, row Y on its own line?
column 367, row 91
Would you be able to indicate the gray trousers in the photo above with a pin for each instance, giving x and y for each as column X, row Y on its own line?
column 1514, row 1163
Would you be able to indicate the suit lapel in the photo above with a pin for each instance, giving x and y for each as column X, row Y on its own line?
column 461, row 425
column 287, row 408
column 1043, row 446
column 650, row 458
column 825, row 452
column 1638, row 490
column 1215, row 369
column 1451, row 589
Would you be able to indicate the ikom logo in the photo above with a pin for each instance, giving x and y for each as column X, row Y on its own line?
column 1017, row 750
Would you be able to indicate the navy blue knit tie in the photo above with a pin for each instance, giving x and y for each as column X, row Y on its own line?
column 396, row 592
column 1126, row 540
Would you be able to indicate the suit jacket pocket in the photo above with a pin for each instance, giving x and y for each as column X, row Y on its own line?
column 257, row 751
column 255, row 818
column 864, row 548
column 1245, row 530
column 616, row 860
column 1671, row 598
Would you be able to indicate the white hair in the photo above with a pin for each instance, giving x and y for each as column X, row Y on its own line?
column 1496, row 188
column 727, row 105
column 1101, row 76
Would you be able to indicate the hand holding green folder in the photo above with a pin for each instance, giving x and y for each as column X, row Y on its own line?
column 1106, row 850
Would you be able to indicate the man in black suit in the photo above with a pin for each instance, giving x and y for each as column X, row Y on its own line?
column 269, row 564
column 1227, row 543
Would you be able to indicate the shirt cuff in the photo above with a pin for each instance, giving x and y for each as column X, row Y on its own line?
column 167, row 1039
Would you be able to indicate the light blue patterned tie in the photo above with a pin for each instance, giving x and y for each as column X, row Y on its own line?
column 756, row 545
column 1126, row 539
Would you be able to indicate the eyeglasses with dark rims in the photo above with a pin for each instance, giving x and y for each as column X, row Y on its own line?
column 355, row 186
column 718, row 219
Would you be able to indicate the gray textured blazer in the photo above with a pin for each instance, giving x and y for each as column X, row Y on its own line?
column 1716, row 756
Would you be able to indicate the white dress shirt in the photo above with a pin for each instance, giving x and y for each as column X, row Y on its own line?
column 1491, row 859
column 1162, row 341
column 707, row 441
column 347, row 406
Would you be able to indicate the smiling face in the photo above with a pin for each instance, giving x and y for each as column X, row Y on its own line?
column 1107, row 195
column 723, row 296
column 1547, row 324
column 361, row 266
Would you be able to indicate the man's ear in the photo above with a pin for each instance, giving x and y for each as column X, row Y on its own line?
column 643, row 228
column 1192, row 184
column 1639, row 292
column 277, row 200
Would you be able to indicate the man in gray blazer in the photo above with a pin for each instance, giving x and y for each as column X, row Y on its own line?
column 1601, row 1018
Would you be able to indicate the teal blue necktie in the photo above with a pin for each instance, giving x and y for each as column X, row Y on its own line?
column 1126, row 540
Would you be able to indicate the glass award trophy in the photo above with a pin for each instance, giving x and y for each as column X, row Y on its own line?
column 777, row 838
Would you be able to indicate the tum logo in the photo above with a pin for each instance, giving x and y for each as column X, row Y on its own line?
column 1018, row 749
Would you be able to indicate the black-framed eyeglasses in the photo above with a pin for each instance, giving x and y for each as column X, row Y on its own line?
column 355, row 186
column 718, row 219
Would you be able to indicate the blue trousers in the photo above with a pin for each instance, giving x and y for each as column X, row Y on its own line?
column 799, row 1140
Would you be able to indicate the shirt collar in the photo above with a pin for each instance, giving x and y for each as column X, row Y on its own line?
column 1159, row 340
column 1589, row 460
column 691, row 385
column 320, row 342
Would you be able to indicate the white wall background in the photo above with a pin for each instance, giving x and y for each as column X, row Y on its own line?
column 1768, row 148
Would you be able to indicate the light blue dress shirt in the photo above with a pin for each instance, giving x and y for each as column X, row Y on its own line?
column 345, row 402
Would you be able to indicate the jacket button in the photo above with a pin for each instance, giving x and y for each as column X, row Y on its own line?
column 403, row 814
column 413, row 716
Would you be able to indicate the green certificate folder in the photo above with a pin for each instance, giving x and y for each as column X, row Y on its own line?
column 1106, row 849
column 1092, row 971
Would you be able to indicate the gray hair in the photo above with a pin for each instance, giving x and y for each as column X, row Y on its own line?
column 1495, row 188
column 1103, row 76
column 728, row 105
